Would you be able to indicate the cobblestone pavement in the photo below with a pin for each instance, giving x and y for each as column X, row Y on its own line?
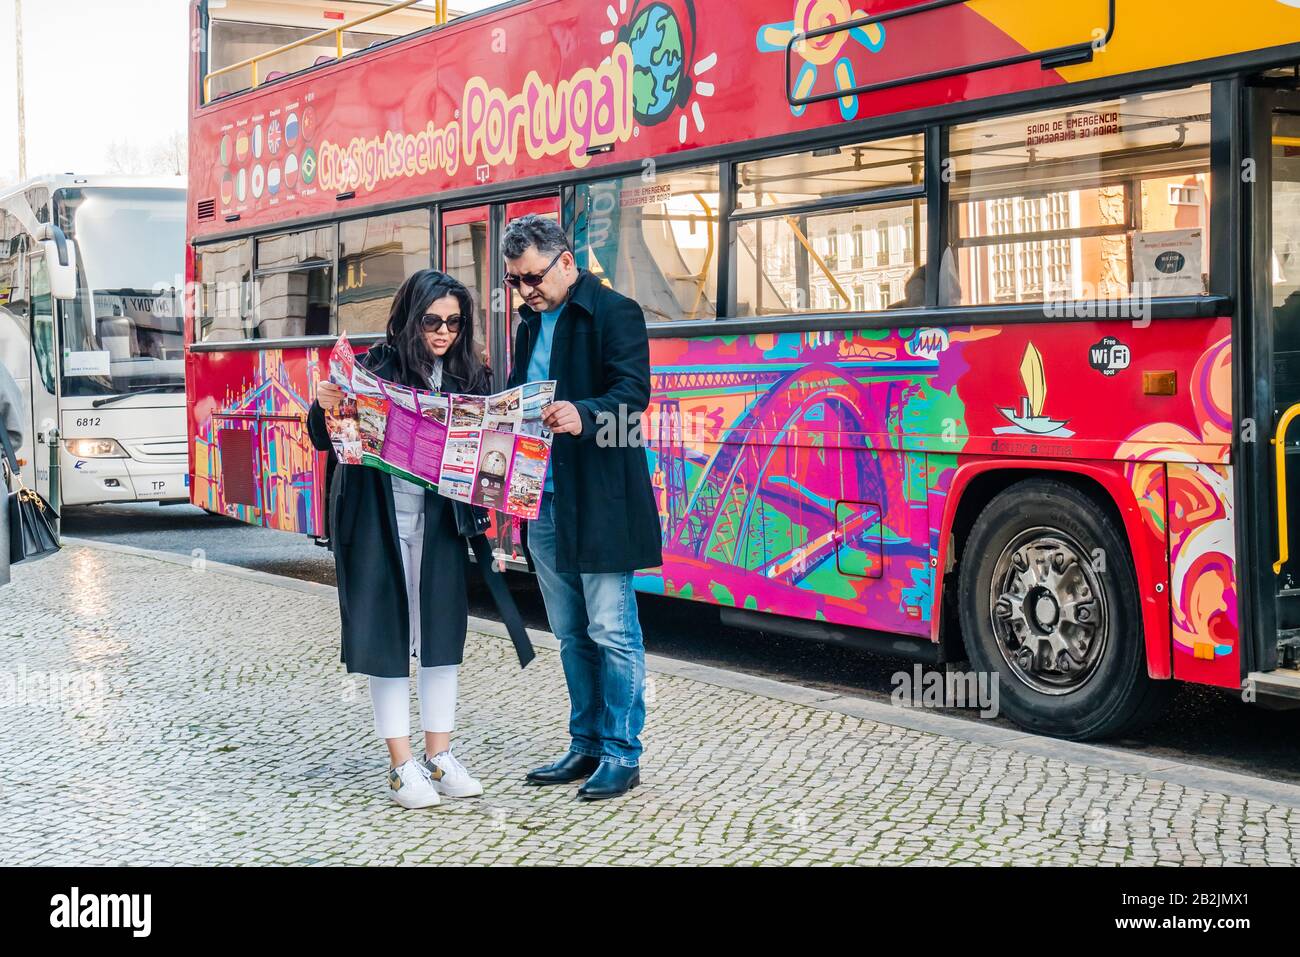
column 155, row 713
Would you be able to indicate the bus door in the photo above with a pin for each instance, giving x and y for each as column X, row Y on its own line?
column 466, row 246
column 548, row 206
column 44, row 373
column 471, row 240
column 1272, row 287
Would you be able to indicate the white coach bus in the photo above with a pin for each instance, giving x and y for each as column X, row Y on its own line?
column 91, row 327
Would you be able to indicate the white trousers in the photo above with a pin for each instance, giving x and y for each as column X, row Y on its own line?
column 436, row 687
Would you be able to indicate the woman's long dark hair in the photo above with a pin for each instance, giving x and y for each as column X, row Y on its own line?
column 406, row 333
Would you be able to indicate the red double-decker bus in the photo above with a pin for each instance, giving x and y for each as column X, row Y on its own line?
column 971, row 322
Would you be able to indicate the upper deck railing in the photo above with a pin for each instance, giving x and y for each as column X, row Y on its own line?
column 440, row 16
column 870, row 30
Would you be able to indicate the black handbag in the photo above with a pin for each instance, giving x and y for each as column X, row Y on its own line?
column 32, row 532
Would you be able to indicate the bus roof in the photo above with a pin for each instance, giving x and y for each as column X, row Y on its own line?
column 494, row 102
column 54, row 181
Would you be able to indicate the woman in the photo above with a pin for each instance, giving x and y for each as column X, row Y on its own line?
column 399, row 550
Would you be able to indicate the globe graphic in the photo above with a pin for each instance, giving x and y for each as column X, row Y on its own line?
column 657, row 55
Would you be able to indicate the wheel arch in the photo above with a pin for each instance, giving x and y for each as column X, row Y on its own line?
column 976, row 483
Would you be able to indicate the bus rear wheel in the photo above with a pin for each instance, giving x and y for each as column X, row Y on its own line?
column 1048, row 603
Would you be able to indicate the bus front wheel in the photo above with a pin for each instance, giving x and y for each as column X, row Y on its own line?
column 1048, row 600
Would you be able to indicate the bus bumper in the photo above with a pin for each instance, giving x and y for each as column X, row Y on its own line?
column 96, row 481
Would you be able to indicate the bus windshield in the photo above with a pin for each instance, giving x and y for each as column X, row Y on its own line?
column 125, row 330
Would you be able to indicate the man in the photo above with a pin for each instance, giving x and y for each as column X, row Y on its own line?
column 598, row 522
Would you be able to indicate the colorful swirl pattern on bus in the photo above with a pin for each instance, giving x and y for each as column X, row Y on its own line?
column 1191, row 503
column 806, row 474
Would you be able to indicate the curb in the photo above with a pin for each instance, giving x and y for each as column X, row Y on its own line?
column 961, row 729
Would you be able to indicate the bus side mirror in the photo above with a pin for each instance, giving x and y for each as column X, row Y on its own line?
column 60, row 262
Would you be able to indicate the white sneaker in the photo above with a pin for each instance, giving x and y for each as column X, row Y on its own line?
column 449, row 776
column 409, row 785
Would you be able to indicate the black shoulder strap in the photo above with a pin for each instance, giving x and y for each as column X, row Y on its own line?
column 510, row 616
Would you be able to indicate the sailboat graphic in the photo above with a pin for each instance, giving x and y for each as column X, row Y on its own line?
column 1028, row 418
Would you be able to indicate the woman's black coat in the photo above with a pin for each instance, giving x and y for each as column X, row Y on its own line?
column 371, row 577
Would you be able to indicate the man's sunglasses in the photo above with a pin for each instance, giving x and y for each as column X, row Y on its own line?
column 532, row 280
column 432, row 323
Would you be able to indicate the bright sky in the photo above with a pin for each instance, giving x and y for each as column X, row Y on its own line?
column 97, row 71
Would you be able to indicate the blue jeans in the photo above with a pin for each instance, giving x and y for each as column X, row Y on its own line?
column 595, row 618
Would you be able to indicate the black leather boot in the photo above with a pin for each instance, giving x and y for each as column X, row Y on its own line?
column 572, row 767
column 610, row 781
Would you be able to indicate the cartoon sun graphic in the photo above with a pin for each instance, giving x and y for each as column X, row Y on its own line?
column 666, row 73
column 810, row 15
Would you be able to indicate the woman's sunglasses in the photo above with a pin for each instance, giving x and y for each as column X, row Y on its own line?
column 531, row 279
column 432, row 323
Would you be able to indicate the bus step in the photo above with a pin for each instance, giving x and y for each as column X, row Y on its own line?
column 1280, row 688
column 1288, row 647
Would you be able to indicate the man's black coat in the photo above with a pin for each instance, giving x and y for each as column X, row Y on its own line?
column 606, row 519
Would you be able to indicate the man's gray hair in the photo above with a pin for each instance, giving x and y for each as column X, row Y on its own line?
column 533, row 230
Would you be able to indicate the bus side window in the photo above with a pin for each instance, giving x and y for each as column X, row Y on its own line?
column 654, row 241
column 14, row 294
column 225, row 273
column 294, row 284
column 42, row 318
column 810, row 236
column 376, row 255
column 1079, row 202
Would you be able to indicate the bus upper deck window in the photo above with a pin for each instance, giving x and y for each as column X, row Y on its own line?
column 238, row 31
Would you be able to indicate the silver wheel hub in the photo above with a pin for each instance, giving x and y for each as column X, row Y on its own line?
column 1049, row 611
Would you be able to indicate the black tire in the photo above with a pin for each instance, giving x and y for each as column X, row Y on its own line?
column 1078, row 679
